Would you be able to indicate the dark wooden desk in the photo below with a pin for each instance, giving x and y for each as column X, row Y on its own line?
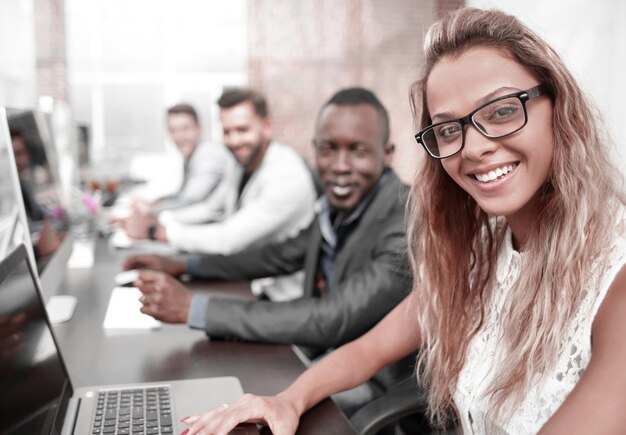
column 94, row 356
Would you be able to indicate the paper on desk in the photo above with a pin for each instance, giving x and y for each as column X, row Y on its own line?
column 123, row 311
column 119, row 239
column 82, row 254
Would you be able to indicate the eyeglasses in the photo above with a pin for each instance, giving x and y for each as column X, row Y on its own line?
column 497, row 118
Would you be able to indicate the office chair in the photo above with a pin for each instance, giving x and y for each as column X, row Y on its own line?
column 385, row 411
column 382, row 416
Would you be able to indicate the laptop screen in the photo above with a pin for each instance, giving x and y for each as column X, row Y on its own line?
column 34, row 386
column 45, row 206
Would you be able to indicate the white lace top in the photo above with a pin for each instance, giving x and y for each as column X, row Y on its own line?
column 544, row 398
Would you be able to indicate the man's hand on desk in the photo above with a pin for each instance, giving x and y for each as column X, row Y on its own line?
column 48, row 241
column 142, row 206
column 164, row 298
column 171, row 266
column 137, row 224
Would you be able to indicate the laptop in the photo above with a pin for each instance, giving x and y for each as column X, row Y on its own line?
column 37, row 396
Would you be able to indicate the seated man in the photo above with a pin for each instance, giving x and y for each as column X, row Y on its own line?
column 203, row 161
column 266, row 195
column 353, row 253
column 46, row 240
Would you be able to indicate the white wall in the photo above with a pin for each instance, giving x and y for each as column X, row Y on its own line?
column 130, row 60
column 591, row 38
column 17, row 54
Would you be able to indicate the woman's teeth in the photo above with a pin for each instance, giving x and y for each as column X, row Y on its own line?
column 494, row 174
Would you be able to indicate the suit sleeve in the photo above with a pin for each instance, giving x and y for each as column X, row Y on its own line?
column 350, row 310
column 270, row 260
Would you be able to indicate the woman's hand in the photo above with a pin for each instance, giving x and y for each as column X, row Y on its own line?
column 276, row 412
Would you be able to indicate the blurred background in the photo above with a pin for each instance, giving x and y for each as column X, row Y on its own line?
column 118, row 64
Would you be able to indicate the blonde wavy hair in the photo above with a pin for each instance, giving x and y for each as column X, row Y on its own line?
column 447, row 225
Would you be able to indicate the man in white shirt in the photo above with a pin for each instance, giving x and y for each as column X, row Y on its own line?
column 266, row 195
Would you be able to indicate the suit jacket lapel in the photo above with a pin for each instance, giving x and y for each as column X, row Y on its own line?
column 378, row 210
column 312, row 258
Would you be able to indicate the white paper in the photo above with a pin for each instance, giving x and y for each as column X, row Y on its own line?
column 123, row 311
column 82, row 254
column 119, row 239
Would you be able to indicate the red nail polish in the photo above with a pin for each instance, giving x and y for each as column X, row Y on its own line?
column 184, row 418
column 185, row 432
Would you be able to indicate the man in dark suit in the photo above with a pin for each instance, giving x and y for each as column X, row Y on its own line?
column 353, row 254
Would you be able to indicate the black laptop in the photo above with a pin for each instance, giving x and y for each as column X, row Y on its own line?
column 37, row 396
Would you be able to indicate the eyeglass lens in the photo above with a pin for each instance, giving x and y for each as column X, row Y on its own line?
column 497, row 119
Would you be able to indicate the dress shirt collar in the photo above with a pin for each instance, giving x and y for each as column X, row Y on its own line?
column 326, row 212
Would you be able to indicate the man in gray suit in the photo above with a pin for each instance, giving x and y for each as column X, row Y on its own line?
column 353, row 254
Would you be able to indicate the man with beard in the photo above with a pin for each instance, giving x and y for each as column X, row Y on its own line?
column 253, row 203
column 266, row 195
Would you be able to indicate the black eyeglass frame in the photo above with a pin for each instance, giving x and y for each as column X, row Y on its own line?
column 523, row 96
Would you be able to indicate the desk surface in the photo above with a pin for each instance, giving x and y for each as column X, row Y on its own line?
column 95, row 357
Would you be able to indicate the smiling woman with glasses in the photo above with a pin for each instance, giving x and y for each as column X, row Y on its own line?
column 495, row 119
column 517, row 235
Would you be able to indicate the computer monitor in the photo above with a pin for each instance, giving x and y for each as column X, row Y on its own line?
column 46, row 211
column 63, row 136
column 13, row 227
column 83, row 144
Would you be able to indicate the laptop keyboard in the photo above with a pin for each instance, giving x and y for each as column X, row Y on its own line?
column 136, row 411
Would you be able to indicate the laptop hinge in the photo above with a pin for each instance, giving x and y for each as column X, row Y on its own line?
column 71, row 416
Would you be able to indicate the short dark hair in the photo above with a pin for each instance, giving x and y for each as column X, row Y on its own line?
column 356, row 95
column 16, row 133
column 184, row 109
column 233, row 97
